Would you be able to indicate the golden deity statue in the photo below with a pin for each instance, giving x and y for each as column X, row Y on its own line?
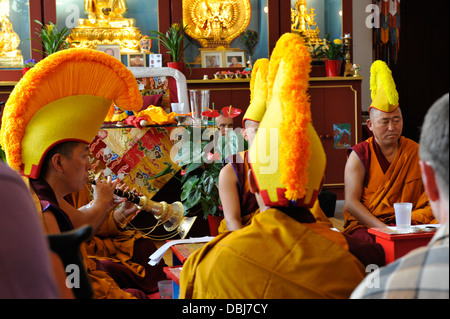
column 106, row 13
column 10, row 55
column 215, row 23
column 302, row 21
column 105, row 24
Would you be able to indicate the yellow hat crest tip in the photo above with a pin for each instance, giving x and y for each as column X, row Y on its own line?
column 295, row 169
column 65, row 73
column 258, row 92
column 383, row 89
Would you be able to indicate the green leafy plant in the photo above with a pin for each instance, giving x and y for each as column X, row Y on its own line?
column 173, row 40
column 51, row 39
column 2, row 155
column 315, row 49
column 202, row 160
column 333, row 50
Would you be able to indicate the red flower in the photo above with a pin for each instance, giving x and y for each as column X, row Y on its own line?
column 211, row 113
column 213, row 157
column 182, row 172
column 231, row 112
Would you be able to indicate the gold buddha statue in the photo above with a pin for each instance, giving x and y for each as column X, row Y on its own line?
column 10, row 55
column 106, row 13
column 302, row 21
column 105, row 24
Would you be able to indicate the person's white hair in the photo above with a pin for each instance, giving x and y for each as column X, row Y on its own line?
column 434, row 141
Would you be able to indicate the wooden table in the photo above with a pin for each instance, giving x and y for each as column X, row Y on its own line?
column 397, row 245
column 173, row 273
column 183, row 251
column 180, row 253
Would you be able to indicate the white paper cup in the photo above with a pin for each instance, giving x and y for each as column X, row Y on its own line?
column 165, row 289
column 403, row 217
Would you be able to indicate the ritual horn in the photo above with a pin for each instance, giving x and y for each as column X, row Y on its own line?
column 170, row 215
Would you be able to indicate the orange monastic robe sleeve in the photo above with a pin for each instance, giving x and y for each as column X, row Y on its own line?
column 275, row 257
column 110, row 242
column 402, row 182
column 103, row 285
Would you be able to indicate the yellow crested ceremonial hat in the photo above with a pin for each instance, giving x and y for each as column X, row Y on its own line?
column 64, row 97
column 383, row 88
column 258, row 92
column 287, row 157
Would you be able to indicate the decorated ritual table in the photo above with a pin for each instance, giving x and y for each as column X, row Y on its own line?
column 136, row 154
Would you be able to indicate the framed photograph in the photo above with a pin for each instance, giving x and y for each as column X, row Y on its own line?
column 155, row 60
column 136, row 60
column 235, row 59
column 211, row 59
column 111, row 49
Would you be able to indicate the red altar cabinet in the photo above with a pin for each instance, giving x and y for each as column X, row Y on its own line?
column 397, row 245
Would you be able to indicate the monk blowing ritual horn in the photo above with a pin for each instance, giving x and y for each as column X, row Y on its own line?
column 170, row 215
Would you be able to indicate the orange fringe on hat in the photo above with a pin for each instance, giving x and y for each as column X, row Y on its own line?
column 97, row 74
column 295, row 103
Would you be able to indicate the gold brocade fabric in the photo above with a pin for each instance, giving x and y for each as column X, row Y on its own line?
column 135, row 155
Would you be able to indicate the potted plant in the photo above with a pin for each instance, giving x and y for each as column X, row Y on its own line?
column 334, row 51
column 51, row 39
column 28, row 65
column 202, row 161
column 173, row 41
column 315, row 49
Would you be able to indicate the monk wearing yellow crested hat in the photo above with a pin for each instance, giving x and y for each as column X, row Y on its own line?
column 384, row 169
column 238, row 202
column 50, row 118
column 284, row 252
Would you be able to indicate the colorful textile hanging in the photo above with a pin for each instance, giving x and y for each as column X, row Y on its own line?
column 135, row 155
column 386, row 38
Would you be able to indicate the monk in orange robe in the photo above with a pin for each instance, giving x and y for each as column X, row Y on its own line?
column 47, row 126
column 116, row 259
column 384, row 169
column 239, row 204
column 401, row 182
column 282, row 254
column 118, row 256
